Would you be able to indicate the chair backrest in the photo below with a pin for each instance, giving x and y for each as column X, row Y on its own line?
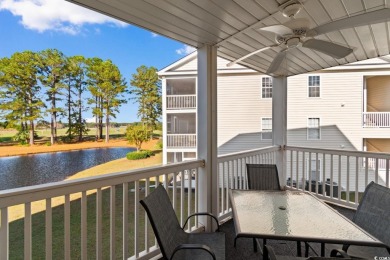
column 373, row 212
column 164, row 221
column 262, row 177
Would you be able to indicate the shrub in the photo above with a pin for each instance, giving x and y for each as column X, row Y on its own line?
column 139, row 155
column 159, row 145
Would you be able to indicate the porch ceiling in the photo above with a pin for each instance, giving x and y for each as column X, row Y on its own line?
column 232, row 25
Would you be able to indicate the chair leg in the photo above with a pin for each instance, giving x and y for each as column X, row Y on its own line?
column 307, row 249
column 254, row 245
column 299, row 249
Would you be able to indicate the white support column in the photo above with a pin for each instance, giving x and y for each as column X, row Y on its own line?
column 207, row 131
column 279, row 123
column 164, row 118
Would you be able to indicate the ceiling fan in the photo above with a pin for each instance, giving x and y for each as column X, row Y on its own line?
column 296, row 33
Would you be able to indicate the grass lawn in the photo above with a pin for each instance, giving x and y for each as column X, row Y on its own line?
column 38, row 227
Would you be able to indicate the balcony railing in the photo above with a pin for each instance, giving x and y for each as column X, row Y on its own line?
column 110, row 214
column 108, row 208
column 181, row 140
column 376, row 119
column 337, row 176
column 232, row 173
column 181, row 101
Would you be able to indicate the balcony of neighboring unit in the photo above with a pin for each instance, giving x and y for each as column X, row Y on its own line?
column 376, row 119
column 181, row 140
column 181, row 93
column 181, row 130
column 376, row 109
column 181, row 101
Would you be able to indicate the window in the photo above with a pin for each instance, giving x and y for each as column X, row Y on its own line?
column 314, row 86
column 266, row 128
column 312, row 170
column 266, row 87
column 313, row 128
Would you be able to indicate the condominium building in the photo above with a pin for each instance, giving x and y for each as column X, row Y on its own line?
column 345, row 107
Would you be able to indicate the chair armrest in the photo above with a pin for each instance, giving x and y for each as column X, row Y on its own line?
column 202, row 214
column 193, row 246
column 339, row 252
column 271, row 253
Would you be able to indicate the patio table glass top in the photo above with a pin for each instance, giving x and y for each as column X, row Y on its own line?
column 293, row 215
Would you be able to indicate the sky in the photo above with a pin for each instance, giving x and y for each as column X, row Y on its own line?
column 41, row 24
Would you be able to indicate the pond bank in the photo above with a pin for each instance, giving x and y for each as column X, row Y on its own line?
column 14, row 150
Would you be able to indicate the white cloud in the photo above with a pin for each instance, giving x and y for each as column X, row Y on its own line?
column 55, row 15
column 154, row 35
column 90, row 120
column 185, row 50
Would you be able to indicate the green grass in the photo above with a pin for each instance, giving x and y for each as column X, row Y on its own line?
column 351, row 196
column 38, row 227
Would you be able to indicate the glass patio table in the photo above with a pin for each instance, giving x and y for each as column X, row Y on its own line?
column 293, row 215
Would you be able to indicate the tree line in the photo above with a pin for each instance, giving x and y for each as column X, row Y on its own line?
column 48, row 83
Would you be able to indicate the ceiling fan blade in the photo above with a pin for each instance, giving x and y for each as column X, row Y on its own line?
column 279, row 29
column 332, row 49
column 372, row 17
column 277, row 62
column 248, row 55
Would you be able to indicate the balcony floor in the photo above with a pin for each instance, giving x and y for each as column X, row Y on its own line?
column 244, row 249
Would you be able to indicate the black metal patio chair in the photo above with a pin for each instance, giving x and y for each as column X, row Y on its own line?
column 273, row 256
column 174, row 242
column 373, row 215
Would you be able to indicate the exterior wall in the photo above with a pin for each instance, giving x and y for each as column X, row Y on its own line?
column 339, row 108
column 378, row 145
column 378, row 94
column 240, row 109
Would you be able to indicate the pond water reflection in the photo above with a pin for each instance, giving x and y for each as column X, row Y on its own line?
column 20, row 171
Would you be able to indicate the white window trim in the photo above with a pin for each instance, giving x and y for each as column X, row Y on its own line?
column 319, row 126
column 308, row 87
column 261, row 88
column 261, row 129
column 319, row 160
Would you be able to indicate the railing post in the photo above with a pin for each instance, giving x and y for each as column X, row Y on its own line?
column 207, row 131
column 279, row 124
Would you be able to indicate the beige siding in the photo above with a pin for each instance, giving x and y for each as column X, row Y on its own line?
column 240, row 109
column 339, row 108
column 378, row 94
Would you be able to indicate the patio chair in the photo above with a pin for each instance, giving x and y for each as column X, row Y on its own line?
column 373, row 215
column 174, row 242
column 273, row 256
column 263, row 177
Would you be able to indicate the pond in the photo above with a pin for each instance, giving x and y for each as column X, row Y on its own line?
column 27, row 170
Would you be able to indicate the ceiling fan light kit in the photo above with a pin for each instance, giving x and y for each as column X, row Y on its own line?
column 291, row 9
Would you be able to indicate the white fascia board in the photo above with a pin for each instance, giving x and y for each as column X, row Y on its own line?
column 178, row 63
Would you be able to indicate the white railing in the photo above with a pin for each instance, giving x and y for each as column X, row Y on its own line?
column 110, row 224
column 337, row 176
column 181, row 140
column 181, row 101
column 376, row 119
column 232, row 173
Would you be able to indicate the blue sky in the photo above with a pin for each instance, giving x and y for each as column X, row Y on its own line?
column 40, row 24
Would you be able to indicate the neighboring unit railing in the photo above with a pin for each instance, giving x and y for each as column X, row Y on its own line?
column 232, row 173
column 111, row 222
column 181, row 140
column 181, row 101
column 335, row 175
column 376, row 119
